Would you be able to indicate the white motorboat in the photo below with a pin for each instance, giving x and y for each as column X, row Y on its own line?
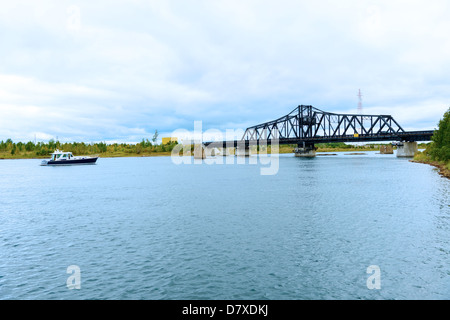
column 67, row 158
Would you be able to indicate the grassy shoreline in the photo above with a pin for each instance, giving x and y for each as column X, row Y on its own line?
column 443, row 168
column 30, row 155
column 282, row 150
column 41, row 150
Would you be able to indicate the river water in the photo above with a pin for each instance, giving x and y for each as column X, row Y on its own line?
column 146, row 228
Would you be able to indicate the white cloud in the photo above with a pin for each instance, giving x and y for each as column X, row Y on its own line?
column 117, row 70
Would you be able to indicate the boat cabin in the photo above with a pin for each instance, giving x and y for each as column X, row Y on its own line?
column 60, row 155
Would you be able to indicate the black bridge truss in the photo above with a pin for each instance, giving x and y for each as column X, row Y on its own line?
column 311, row 125
column 308, row 125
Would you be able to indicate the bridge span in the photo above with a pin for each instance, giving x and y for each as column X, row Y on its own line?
column 306, row 126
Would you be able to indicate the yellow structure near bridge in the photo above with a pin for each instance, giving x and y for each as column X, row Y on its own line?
column 169, row 140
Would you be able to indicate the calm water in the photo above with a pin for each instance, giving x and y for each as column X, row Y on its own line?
column 144, row 228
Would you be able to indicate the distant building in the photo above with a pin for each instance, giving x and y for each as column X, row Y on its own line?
column 169, row 140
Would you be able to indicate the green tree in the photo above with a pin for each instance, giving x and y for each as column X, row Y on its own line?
column 29, row 146
column 102, row 146
column 9, row 144
column 155, row 136
column 138, row 148
column 440, row 148
column 52, row 144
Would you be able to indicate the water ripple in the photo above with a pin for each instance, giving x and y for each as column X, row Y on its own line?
column 143, row 228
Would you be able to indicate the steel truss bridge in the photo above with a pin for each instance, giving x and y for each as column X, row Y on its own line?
column 307, row 125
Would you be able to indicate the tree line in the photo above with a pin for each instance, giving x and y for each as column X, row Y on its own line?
column 439, row 149
column 80, row 148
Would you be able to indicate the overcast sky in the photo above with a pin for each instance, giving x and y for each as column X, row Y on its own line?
column 118, row 70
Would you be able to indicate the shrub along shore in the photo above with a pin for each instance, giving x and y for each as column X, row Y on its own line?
column 42, row 150
column 437, row 152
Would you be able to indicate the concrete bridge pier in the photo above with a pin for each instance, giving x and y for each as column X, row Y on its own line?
column 305, row 151
column 230, row 151
column 386, row 149
column 242, row 151
column 199, row 152
column 227, row 152
column 407, row 149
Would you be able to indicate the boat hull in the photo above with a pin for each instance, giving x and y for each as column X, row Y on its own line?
column 71, row 162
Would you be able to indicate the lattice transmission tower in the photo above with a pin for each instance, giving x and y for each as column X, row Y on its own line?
column 360, row 107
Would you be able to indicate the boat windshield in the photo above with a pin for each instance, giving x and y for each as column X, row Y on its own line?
column 55, row 156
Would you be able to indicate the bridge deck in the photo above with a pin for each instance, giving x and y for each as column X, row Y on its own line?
column 400, row 136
